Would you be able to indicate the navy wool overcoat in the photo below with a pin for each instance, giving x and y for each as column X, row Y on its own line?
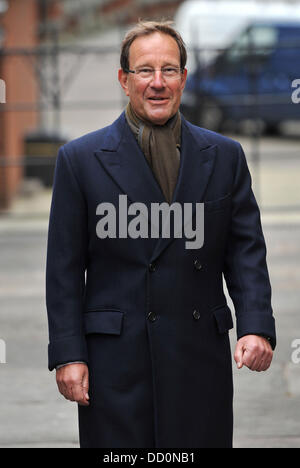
column 148, row 315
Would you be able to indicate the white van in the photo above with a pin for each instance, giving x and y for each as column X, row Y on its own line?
column 214, row 24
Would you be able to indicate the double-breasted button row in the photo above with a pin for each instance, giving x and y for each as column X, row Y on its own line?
column 197, row 264
column 152, row 267
column 152, row 316
column 196, row 314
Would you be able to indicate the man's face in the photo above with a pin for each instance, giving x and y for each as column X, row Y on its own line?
column 156, row 99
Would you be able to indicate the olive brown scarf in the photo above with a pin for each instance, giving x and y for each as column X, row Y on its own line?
column 161, row 147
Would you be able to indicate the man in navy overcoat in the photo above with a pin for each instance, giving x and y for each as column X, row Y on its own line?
column 138, row 321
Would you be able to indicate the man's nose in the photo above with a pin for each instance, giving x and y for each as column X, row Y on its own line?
column 157, row 80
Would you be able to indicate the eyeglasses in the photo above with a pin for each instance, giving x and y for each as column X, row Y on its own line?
column 146, row 73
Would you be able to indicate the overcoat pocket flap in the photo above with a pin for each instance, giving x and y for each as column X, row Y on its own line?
column 223, row 318
column 103, row 321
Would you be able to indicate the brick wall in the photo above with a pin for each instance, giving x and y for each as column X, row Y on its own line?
column 21, row 24
column 20, row 27
column 131, row 10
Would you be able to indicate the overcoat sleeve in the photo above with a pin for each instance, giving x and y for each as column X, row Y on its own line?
column 245, row 271
column 66, row 265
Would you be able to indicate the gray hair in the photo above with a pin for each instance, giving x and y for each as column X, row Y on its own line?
column 145, row 28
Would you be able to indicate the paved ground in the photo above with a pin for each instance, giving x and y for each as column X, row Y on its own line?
column 33, row 414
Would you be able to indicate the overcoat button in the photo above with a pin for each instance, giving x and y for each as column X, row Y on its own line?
column 197, row 264
column 196, row 314
column 152, row 267
column 152, row 316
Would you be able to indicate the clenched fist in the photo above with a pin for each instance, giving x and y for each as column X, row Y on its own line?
column 253, row 351
column 73, row 382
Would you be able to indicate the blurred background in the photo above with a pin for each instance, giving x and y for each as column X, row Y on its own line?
column 59, row 62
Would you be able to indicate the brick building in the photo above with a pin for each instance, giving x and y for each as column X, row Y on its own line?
column 19, row 29
column 25, row 24
column 80, row 16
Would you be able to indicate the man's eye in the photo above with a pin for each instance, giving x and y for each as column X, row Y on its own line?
column 169, row 70
column 145, row 70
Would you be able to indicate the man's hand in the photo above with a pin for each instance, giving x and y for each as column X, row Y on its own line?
column 253, row 351
column 73, row 382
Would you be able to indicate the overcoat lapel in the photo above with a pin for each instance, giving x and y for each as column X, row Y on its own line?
column 196, row 166
column 123, row 160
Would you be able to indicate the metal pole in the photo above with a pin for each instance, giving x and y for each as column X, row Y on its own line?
column 42, row 60
column 256, row 129
column 56, row 81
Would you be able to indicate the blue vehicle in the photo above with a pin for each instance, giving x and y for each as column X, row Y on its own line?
column 251, row 79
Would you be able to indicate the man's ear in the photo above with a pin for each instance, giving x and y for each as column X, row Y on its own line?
column 123, row 79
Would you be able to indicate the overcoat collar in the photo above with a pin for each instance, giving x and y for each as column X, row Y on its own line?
column 122, row 158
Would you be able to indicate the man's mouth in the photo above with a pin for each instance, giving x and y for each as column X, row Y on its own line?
column 157, row 98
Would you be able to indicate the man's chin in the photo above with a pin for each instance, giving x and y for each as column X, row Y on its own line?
column 158, row 117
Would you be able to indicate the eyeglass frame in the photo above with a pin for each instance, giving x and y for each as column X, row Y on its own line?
column 181, row 70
